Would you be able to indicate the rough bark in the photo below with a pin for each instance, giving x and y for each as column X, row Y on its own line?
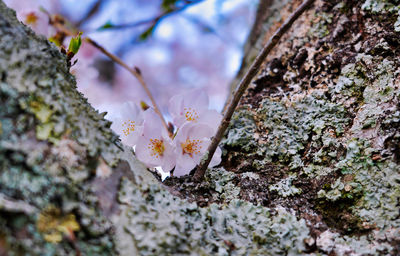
column 311, row 160
column 320, row 128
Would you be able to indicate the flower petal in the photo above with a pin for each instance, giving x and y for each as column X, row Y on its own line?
column 128, row 123
column 131, row 111
column 212, row 118
column 132, row 138
column 144, row 153
column 216, row 159
column 169, row 158
column 152, row 124
column 175, row 105
column 196, row 99
column 184, row 165
column 191, row 103
column 193, row 131
column 116, row 125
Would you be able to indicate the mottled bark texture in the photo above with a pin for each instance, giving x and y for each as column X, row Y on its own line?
column 318, row 131
column 311, row 160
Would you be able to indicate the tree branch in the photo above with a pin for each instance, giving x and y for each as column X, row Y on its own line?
column 152, row 21
column 134, row 71
column 93, row 10
column 244, row 83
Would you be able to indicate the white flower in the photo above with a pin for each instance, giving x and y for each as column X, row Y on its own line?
column 154, row 148
column 192, row 107
column 29, row 13
column 36, row 20
column 129, row 123
column 191, row 144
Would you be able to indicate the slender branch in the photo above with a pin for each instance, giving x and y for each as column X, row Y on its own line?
column 204, row 26
column 153, row 21
column 134, row 71
column 92, row 11
column 264, row 11
column 244, row 83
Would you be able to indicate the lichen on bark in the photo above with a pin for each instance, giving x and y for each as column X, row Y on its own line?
column 50, row 143
column 310, row 166
column 326, row 114
column 55, row 198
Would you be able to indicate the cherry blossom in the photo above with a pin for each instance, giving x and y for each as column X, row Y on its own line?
column 191, row 143
column 37, row 21
column 129, row 123
column 28, row 12
column 192, row 107
column 154, row 148
column 153, row 144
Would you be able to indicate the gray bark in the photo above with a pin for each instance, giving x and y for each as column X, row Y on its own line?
column 310, row 160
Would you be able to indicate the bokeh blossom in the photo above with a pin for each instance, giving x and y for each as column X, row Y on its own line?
column 165, row 55
column 39, row 22
column 29, row 13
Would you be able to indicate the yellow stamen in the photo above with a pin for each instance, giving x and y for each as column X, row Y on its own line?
column 130, row 127
column 191, row 114
column 191, row 147
column 156, row 147
column 31, row 18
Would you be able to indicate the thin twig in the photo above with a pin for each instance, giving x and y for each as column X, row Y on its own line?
column 134, row 71
column 92, row 11
column 153, row 21
column 264, row 11
column 244, row 83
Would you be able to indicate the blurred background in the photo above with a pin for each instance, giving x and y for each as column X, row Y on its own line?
column 177, row 44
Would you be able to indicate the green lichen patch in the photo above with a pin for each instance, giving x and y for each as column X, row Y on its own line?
column 241, row 132
column 41, row 111
column 320, row 26
column 50, row 144
column 285, row 188
column 384, row 7
column 34, row 175
column 310, row 169
column 288, row 130
column 325, row 115
column 158, row 223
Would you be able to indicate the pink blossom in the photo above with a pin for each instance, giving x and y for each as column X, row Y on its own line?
column 36, row 20
column 192, row 107
column 30, row 15
column 191, row 143
column 129, row 123
column 154, row 148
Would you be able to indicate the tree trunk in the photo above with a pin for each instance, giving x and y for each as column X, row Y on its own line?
column 310, row 166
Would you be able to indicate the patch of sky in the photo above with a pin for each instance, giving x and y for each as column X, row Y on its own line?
column 198, row 47
column 78, row 7
column 233, row 58
column 158, row 55
column 166, row 31
column 191, row 77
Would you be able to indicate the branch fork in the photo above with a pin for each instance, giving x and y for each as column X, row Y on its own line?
column 244, row 83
